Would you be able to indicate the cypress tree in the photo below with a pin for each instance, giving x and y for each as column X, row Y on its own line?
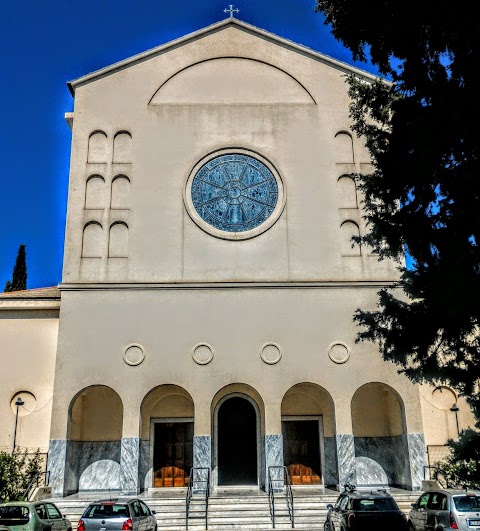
column 19, row 277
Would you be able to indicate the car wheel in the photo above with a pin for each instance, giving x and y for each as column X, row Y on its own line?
column 411, row 527
column 326, row 526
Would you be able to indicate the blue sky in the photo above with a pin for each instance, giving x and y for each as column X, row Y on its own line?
column 44, row 44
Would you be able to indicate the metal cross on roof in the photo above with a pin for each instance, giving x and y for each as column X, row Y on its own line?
column 231, row 10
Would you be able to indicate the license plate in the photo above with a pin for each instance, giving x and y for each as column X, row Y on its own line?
column 474, row 523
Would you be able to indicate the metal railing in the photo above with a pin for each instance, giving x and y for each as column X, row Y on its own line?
column 198, row 489
column 41, row 480
column 279, row 482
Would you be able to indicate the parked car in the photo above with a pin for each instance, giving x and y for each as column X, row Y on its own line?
column 33, row 516
column 444, row 510
column 4, row 528
column 128, row 515
column 365, row 510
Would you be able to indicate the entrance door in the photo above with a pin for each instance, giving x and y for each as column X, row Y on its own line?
column 237, row 443
column 172, row 453
column 301, row 451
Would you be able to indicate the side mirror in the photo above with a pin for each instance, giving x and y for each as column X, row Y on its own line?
column 330, row 507
column 154, row 512
column 414, row 505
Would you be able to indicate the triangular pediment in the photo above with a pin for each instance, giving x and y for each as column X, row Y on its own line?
column 209, row 30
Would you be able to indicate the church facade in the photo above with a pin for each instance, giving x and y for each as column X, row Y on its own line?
column 209, row 284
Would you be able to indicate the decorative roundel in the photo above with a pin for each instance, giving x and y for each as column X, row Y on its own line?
column 271, row 354
column 133, row 355
column 339, row 353
column 234, row 195
column 202, row 354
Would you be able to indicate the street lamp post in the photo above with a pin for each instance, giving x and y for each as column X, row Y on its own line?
column 455, row 410
column 18, row 402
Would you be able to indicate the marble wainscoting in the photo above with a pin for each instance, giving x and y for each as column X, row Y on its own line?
column 345, row 458
column 273, row 457
column 145, row 469
column 331, row 466
column 129, row 463
column 417, row 456
column 57, row 457
column 202, row 458
column 98, row 465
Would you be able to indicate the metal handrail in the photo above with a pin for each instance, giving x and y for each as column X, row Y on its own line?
column 35, row 482
column 195, row 477
column 285, row 487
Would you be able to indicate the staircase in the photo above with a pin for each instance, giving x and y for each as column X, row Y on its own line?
column 231, row 512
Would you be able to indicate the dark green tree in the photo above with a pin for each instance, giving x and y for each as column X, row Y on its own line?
column 18, row 471
column 19, row 277
column 423, row 195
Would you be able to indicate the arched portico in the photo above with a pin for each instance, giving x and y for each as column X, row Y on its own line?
column 166, row 437
column 308, row 429
column 93, row 455
column 238, row 418
column 380, row 436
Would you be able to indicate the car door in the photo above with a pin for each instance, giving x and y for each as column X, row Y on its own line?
column 339, row 511
column 436, row 511
column 55, row 517
column 419, row 513
column 150, row 520
column 42, row 516
column 138, row 518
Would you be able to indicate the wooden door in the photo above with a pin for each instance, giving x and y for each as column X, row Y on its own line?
column 301, row 451
column 172, row 453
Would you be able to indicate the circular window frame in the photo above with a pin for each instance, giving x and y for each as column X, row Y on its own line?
column 234, row 236
column 135, row 363
column 210, row 358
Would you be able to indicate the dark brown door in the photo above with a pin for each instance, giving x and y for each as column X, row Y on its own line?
column 172, row 453
column 301, row 451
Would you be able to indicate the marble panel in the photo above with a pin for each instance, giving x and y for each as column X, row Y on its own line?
column 145, row 470
column 274, row 457
column 331, row 467
column 390, row 455
column 57, row 456
column 202, row 458
column 417, row 456
column 129, row 462
column 345, row 458
column 369, row 473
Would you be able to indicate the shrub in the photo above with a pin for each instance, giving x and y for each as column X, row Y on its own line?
column 17, row 472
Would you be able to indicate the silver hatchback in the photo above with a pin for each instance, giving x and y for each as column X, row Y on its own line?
column 128, row 515
column 446, row 510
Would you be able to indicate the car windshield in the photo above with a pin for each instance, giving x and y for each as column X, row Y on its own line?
column 467, row 503
column 374, row 504
column 14, row 515
column 106, row 510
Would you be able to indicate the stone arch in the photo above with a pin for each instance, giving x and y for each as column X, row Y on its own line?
column 97, row 147
column 247, row 401
column 122, row 147
column 379, row 431
column 118, row 240
column 92, row 240
column 94, row 440
column 232, row 80
column 349, row 229
column 308, row 429
column 347, row 192
column 167, row 412
column 120, row 198
column 344, row 148
column 95, row 192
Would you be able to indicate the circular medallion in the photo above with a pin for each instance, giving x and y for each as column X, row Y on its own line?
column 271, row 354
column 133, row 355
column 234, row 195
column 202, row 354
column 339, row 353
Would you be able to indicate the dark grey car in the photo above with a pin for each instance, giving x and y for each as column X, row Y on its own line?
column 446, row 510
column 128, row 515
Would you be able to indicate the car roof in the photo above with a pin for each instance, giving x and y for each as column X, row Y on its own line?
column 455, row 492
column 368, row 494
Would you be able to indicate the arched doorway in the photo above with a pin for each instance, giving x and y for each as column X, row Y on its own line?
column 167, row 415
column 308, row 429
column 237, row 442
column 379, row 431
column 94, row 440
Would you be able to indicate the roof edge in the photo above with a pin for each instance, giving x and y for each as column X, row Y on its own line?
column 203, row 31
